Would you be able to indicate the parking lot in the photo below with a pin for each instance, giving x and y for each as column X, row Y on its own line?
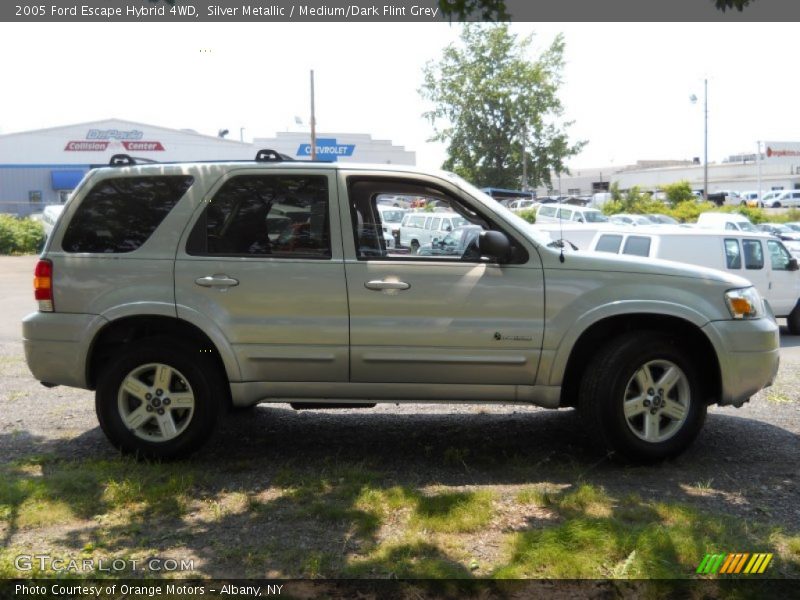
column 744, row 465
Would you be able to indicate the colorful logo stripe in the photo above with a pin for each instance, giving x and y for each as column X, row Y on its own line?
column 734, row 564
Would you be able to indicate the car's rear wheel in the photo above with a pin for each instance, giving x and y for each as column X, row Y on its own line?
column 640, row 397
column 414, row 247
column 776, row 205
column 157, row 400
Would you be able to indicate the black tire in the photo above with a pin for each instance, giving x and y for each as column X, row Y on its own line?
column 776, row 205
column 611, row 374
column 414, row 247
column 793, row 321
column 189, row 371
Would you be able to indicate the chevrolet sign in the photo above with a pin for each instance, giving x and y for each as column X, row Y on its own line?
column 327, row 149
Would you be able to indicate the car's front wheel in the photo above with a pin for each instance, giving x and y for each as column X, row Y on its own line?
column 640, row 397
column 156, row 400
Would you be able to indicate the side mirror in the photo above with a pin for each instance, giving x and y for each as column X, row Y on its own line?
column 495, row 245
column 792, row 266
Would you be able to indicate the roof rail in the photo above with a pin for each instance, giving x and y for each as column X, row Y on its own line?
column 125, row 160
column 268, row 155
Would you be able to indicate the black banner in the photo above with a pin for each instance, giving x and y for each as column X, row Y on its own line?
column 417, row 11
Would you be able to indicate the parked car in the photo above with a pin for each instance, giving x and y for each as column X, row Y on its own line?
column 162, row 289
column 769, row 198
column 726, row 221
column 781, row 231
column 556, row 213
column 725, row 197
column 659, row 219
column 391, row 219
column 630, row 220
column 788, row 198
column 751, row 198
column 460, row 243
column 50, row 215
column 421, row 228
column 521, row 204
column 762, row 259
column 793, row 225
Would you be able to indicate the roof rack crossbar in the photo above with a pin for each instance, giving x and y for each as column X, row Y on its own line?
column 269, row 155
column 125, row 160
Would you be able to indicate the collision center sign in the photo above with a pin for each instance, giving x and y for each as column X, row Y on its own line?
column 98, row 140
column 782, row 149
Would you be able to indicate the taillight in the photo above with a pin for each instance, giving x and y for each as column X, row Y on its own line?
column 43, row 285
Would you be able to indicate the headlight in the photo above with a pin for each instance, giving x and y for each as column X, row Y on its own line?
column 745, row 303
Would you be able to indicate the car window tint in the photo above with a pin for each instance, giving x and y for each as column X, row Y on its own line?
column 280, row 216
column 637, row 246
column 609, row 243
column 120, row 214
column 778, row 255
column 733, row 256
column 753, row 254
column 431, row 243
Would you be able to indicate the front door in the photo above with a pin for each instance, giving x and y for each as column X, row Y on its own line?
column 442, row 314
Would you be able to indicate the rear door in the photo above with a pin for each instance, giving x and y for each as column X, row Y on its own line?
column 262, row 263
column 436, row 319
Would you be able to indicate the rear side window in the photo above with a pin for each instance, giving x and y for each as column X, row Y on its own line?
column 280, row 216
column 120, row 214
column 733, row 256
column 547, row 211
column 637, row 246
column 609, row 243
column 753, row 254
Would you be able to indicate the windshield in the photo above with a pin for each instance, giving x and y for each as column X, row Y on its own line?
column 521, row 224
column 595, row 217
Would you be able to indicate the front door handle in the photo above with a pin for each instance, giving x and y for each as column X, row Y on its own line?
column 379, row 285
column 221, row 281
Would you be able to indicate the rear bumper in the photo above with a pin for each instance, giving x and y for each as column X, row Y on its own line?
column 57, row 344
column 749, row 355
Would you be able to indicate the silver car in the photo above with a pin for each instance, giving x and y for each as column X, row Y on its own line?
column 178, row 290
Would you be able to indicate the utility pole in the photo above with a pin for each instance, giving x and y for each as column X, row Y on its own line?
column 313, row 122
column 758, row 158
column 705, row 144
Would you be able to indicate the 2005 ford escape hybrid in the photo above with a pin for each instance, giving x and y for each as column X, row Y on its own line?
column 175, row 290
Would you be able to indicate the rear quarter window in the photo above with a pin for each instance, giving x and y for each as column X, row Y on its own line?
column 637, row 246
column 120, row 214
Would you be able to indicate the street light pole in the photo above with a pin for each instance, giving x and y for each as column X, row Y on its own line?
column 705, row 141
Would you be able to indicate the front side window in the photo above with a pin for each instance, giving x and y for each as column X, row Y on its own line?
column 120, row 214
column 278, row 216
column 733, row 256
column 753, row 254
column 450, row 233
column 778, row 255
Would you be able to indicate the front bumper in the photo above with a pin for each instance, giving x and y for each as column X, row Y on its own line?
column 749, row 356
column 57, row 344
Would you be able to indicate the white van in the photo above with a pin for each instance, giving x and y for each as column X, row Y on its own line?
column 420, row 228
column 789, row 198
column 558, row 213
column 759, row 257
column 726, row 221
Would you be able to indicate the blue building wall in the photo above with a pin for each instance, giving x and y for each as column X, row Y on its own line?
column 26, row 189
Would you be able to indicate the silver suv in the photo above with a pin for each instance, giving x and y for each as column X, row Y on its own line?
column 177, row 290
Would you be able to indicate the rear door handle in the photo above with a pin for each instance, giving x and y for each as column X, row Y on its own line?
column 379, row 285
column 221, row 281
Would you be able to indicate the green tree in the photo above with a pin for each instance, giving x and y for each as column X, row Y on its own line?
column 490, row 99
column 678, row 192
